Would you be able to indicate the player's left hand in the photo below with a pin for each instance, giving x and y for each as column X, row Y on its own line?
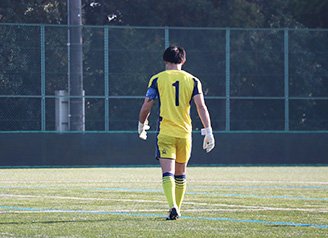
column 209, row 141
column 142, row 130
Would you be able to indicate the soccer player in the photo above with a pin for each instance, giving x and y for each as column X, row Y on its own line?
column 175, row 89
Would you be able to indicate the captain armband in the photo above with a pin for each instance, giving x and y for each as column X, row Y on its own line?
column 151, row 93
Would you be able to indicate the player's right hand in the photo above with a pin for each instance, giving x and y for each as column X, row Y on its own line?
column 142, row 130
column 209, row 141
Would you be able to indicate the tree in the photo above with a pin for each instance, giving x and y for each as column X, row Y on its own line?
column 256, row 56
column 37, row 11
column 312, row 14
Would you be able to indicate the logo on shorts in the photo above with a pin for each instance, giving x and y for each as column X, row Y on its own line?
column 164, row 152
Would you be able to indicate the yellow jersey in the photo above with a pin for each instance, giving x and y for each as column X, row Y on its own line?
column 175, row 90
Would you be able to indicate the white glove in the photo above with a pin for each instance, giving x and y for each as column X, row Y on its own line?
column 142, row 130
column 209, row 141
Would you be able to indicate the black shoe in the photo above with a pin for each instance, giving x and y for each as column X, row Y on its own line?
column 173, row 214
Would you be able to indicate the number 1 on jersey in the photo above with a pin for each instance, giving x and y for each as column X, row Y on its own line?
column 176, row 85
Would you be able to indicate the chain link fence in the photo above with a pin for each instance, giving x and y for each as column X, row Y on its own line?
column 253, row 79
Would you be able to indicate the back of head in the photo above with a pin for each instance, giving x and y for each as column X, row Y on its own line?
column 175, row 55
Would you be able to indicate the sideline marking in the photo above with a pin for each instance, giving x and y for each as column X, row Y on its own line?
column 249, row 208
column 256, row 187
column 256, row 196
column 160, row 191
column 228, row 206
column 153, row 215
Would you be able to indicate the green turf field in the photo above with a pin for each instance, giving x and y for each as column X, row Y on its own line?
column 129, row 202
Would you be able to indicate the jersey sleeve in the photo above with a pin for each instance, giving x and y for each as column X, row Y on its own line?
column 152, row 91
column 197, row 87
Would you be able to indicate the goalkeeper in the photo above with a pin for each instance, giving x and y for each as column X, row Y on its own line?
column 175, row 89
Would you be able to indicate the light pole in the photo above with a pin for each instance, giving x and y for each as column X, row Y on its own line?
column 75, row 69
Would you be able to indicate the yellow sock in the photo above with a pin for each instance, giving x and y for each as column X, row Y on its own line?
column 169, row 187
column 180, row 189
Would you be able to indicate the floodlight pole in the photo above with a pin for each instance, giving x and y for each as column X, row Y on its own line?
column 76, row 93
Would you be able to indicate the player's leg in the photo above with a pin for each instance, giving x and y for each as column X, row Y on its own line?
column 180, row 183
column 166, row 154
column 182, row 158
column 167, row 166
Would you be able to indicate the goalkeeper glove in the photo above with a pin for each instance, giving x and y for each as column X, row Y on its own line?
column 209, row 141
column 142, row 130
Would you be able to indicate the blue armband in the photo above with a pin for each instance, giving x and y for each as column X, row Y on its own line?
column 151, row 93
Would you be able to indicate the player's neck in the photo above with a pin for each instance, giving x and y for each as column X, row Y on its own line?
column 170, row 66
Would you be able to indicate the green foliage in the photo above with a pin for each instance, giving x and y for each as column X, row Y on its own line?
column 134, row 54
column 36, row 11
column 187, row 13
column 312, row 14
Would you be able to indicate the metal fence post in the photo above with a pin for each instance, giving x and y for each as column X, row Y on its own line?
column 106, row 71
column 228, row 79
column 43, row 78
column 286, row 80
column 167, row 37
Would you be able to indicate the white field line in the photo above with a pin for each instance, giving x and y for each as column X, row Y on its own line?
column 70, row 211
column 217, row 182
column 6, row 234
column 258, row 181
column 229, row 207
column 142, row 210
column 77, row 181
column 258, row 208
column 80, row 198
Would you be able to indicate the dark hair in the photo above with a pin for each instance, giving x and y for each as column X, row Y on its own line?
column 174, row 54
